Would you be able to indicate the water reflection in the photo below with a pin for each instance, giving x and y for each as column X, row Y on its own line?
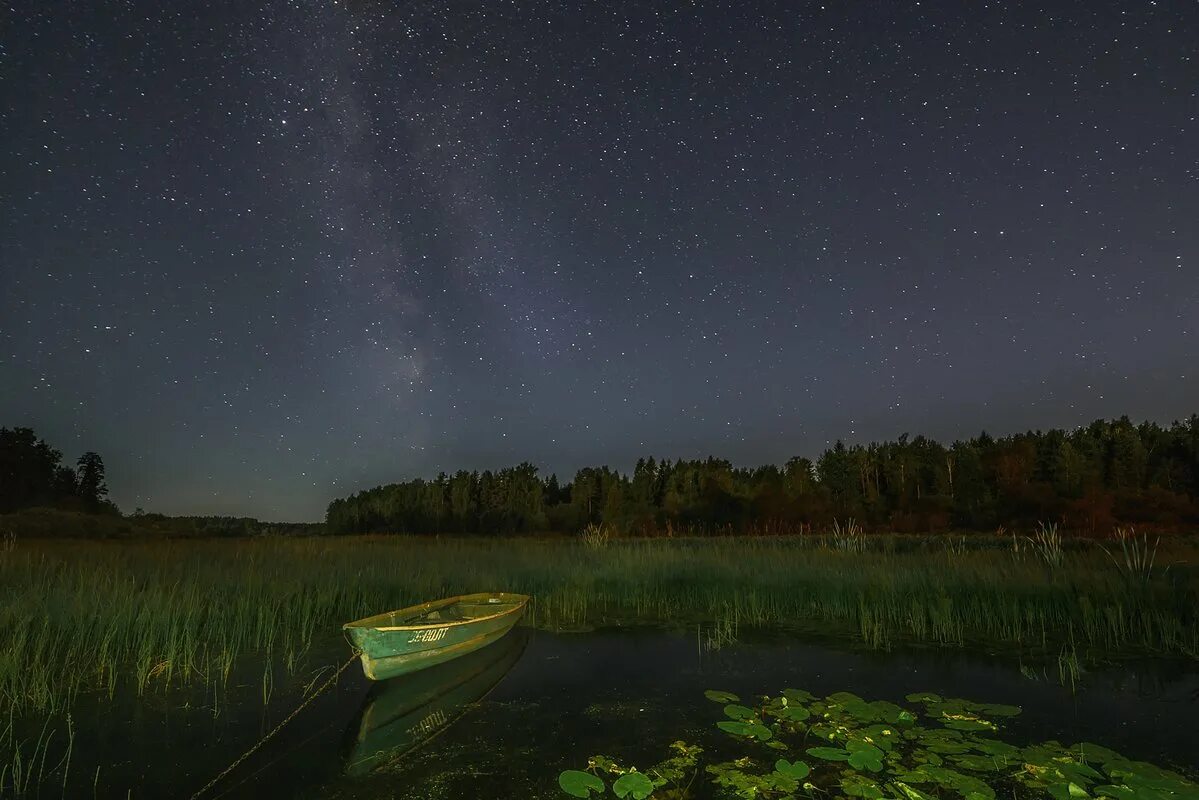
column 400, row 714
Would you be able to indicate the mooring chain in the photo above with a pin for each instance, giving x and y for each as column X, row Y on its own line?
column 277, row 728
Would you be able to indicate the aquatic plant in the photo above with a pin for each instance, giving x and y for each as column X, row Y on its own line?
column 795, row 744
column 157, row 613
column 1138, row 557
column 848, row 538
column 1047, row 544
column 595, row 536
column 671, row 775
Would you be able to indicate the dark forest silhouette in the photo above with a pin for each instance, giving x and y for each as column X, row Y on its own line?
column 1089, row 479
column 32, row 474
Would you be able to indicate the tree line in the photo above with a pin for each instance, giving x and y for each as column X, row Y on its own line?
column 32, row 474
column 1088, row 479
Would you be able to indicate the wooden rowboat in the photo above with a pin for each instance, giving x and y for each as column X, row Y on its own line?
column 413, row 638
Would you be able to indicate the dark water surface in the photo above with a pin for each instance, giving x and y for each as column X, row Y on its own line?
column 504, row 722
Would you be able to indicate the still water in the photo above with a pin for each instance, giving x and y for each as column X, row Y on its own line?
column 505, row 721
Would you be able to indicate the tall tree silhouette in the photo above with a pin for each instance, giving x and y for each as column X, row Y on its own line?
column 92, row 488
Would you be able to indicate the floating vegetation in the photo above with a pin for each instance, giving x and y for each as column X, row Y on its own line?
column 798, row 745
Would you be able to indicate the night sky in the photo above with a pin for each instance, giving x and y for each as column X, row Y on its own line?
column 262, row 255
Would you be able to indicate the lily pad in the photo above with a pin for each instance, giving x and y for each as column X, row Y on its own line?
column 760, row 732
column 634, row 785
column 994, row 747
column 865, row 756
column 738, row 712
column 718, row 696
column 1067, row 791
column 977, row 763
column 794, row 713
column 911, row 793
column 829, row 753
column 861, row 786
column 999, row 710
column 577, row 783
column 1116, row 792
column 798, row 696
column 798, row 770
column 923, row 697
column 737, row 728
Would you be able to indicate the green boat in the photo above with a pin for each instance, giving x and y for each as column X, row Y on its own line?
column 403, row 713
column 413, row 638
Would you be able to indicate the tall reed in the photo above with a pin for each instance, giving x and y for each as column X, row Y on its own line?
column 84, row 616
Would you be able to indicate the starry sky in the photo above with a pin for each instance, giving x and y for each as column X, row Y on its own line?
column 263, row 255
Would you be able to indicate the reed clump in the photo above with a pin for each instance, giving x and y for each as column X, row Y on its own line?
column 82, row 616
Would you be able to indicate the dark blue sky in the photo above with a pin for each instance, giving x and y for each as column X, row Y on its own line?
column 259, row 258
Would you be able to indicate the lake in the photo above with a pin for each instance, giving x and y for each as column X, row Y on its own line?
column 504, row 722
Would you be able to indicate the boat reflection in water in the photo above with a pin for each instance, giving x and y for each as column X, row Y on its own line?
column 400, row 714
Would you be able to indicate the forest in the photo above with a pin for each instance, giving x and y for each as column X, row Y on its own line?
column 1087, row 480
column 43, row 497
column 32, row 473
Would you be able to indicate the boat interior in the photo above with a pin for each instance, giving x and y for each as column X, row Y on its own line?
column 454, row 609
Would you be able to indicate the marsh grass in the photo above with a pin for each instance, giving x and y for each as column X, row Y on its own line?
column 79, row 616
column 1047, row 544
column 26, row 770
column 1138, row 557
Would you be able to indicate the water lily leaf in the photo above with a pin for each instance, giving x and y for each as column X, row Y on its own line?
column 865, row 756
column 798, row 696
column 717, row 696
column 964, row 785
column 1095, row 754
column 826, row 732
column 829, row 753
column 1116, row 792
column 888, row 711
column 978, row 763
column 775, row 744
column 861, row 786
column 924, row 697
column 855, row 707
column 999, row 710
column 794, row 713
column 738, row 712
column 883, row 736
column 1067, row 791
column 841, row 698
column 969, row 724
column 760, row 732
column 994, row 747
column 911, row 793
column 781, row 782
column 736, row 728
column 633, row 784
column 1079, row 772
column 577, row 783
column 797, row 770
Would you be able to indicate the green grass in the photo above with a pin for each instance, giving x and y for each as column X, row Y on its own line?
column 79, row 615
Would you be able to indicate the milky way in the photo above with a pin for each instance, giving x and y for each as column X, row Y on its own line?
column 263, row 256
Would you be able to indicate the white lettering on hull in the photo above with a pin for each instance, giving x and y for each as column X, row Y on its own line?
column 430, row 635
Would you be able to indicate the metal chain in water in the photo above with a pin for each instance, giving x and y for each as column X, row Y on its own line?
column 278, row 727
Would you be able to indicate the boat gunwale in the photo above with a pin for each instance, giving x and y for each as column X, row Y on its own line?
column 448, row 601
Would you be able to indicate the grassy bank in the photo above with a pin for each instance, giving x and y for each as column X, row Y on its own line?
column 77, row 615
